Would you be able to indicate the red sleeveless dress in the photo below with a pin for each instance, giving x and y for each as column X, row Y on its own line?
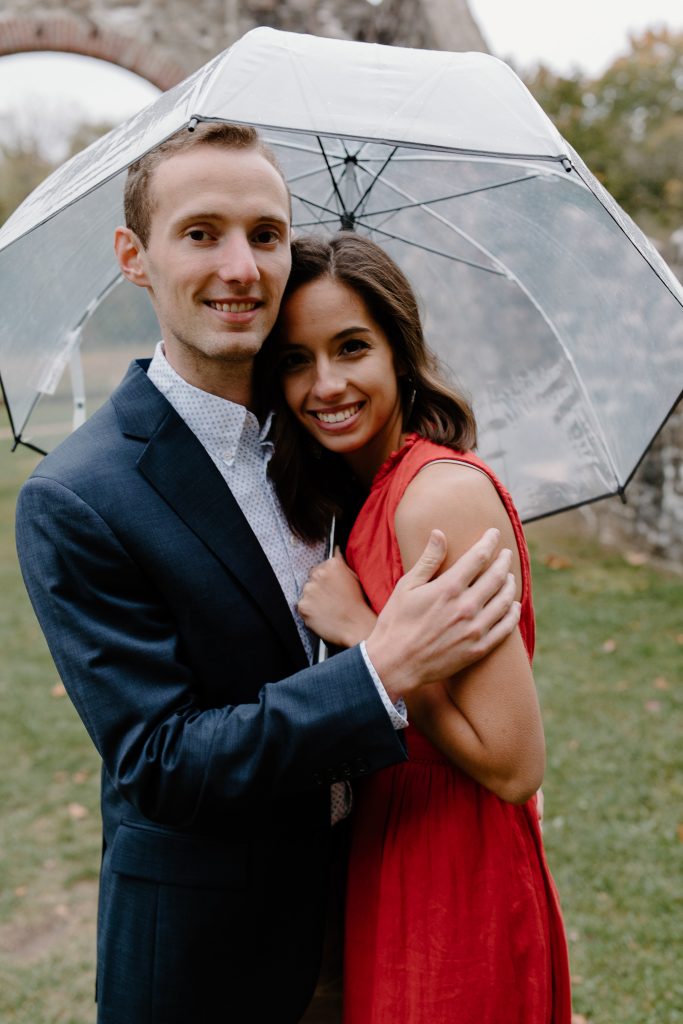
column 452, row 916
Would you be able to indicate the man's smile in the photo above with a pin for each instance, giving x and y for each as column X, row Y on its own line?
column 241, row 306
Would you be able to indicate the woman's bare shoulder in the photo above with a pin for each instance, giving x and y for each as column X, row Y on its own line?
column 454, row 497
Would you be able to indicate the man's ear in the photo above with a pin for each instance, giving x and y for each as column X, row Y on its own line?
column 130, row 255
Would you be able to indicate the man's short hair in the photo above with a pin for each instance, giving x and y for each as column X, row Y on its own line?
column 138, row 204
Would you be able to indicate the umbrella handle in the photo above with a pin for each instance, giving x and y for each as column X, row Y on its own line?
column 322, row 646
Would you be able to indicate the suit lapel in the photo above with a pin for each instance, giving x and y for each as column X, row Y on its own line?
column 177, row 466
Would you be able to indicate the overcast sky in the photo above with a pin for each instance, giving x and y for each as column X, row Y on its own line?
column 54, row 88
column 582, row 33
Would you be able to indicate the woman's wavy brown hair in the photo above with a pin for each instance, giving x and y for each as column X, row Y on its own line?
column 313, row 484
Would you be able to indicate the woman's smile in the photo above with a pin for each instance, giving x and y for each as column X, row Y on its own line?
column 338, row 417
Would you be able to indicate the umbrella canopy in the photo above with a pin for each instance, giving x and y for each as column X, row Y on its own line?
column 542, row 298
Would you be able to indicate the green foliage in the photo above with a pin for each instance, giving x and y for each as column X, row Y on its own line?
column 24, row 161
column 628, row 125
column 22, row 167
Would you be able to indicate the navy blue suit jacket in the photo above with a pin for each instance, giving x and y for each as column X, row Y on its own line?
column 177, row 647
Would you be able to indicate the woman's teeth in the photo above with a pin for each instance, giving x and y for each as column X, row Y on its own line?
column 338, row 417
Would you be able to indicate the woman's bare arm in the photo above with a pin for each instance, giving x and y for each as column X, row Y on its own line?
column 487, row 718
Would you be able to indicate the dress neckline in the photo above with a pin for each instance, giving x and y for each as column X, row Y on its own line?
column 393, row 459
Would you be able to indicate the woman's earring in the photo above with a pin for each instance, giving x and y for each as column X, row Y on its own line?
column 411, row 398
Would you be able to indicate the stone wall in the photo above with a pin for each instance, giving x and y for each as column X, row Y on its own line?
column 165, row 40
column 651, row 520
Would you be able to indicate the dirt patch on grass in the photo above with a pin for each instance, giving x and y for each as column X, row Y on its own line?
column 40, row 929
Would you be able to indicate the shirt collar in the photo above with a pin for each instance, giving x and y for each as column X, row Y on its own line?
column 220, row 425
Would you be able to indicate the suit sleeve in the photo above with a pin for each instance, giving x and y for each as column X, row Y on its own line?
column 116, row 648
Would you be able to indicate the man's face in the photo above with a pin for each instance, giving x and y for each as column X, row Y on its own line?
column 217, row 259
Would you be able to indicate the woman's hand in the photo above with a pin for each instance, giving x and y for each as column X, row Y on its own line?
column 333, row 604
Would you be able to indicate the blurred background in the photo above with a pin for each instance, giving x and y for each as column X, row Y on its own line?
column 609, row 583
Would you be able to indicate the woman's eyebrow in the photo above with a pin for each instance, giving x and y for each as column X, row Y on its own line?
column 351, row 330
column 345, row 333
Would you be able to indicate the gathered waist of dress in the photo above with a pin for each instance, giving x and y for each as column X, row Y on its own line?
column 420, row 749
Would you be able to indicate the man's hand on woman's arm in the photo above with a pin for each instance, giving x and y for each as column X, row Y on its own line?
column 430, row 628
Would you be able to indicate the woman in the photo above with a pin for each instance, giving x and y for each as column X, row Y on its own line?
column 452, row 915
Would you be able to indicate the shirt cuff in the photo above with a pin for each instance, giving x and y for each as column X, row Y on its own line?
column 398, row 713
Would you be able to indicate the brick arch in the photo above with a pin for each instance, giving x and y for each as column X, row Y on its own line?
column 65, row 34
column 166, row 40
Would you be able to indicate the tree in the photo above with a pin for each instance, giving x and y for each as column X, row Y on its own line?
column 24, row 161
column 22, row 167
column 628, row 125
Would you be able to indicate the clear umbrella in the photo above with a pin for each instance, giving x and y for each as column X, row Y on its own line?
column 542, row 298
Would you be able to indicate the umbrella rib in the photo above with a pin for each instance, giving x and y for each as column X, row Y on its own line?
column 334, row 214
column 18, row 439
column 5, row 399
column 312, row 202
column 312, row 223
column 657, row 431
column 620, row 226
column 455, row 195
column 435, row 252
column 375, row 178
column 309, row 174
column 395, row 237
column 334, row 180
column 503, row 269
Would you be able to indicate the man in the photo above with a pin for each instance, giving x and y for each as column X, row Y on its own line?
column 142, row 542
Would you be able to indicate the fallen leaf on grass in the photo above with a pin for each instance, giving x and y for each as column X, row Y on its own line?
column 557, row 562
column 661, row 683
column 609, row 646
column 77, row 811
column 653, row 706
column 21, row 890
column 58, row 690
column 80, row 777
column 680, row 832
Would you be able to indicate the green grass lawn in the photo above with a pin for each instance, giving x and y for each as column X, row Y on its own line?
column 610, row 674
column 609, row 670
column 49, row 831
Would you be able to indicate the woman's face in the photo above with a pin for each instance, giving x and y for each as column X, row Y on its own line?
column 338, row 374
